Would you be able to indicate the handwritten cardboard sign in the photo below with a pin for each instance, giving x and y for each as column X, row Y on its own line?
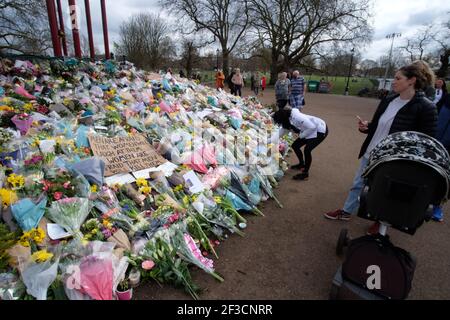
column 125, row 154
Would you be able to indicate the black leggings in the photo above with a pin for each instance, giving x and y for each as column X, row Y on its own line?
column 309, row 144
column 237, row 90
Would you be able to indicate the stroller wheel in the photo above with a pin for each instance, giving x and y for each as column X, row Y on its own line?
column 342, row 242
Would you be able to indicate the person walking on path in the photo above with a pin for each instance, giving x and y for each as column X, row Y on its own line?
column 406, row 110
column 312, row 131
column 282, row 90
column 263, row 83
column 238, row 82
column 297, row 91
column 220, row 78
column 230, row 83
column 256, row 83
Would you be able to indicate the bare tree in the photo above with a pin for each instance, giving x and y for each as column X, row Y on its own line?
column 190, row 55
column 294, row 30
column 442, row 37
column 226, row 21
column 417, row 45
column 144, row 40
column 367, row 66
column 24, row 27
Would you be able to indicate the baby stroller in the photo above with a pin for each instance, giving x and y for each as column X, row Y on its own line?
column 407, row 173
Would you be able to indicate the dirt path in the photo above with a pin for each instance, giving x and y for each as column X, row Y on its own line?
column 290, row 253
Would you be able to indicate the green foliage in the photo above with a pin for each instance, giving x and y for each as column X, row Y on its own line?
column 169, row 268
column 7, row 240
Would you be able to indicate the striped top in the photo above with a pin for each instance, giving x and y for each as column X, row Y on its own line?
column 297, row 86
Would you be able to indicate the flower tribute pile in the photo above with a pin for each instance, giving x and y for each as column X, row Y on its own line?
column 69, row 229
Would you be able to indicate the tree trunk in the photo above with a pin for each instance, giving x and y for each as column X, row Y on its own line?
column 274, row 68
column 443, row 70
column 226, row 63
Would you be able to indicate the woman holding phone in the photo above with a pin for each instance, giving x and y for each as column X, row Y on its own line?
column 406, row 110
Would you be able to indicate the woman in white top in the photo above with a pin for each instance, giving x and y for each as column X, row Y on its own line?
column 441, row 91
column 312, row 131
column 238, row 82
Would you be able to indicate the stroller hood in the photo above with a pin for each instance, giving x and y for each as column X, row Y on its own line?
column 412, row 146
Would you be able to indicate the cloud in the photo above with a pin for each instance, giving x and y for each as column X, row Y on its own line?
column 423, row 18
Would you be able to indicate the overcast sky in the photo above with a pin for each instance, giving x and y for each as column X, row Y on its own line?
column 400, row 16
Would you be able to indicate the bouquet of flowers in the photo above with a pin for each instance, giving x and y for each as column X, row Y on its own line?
column 60, row 185
column 23, row 122
column 70, row 213
column 5, row 137
column 168, row 267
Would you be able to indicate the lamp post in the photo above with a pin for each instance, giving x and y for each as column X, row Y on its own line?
column 217, row 57
column 349, row 72
column 390, row 36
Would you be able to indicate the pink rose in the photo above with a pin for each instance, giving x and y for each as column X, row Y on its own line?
column 148, row 264
column 66, row 185
column 57, row 195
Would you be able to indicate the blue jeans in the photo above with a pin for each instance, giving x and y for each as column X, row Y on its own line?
column 352, row 203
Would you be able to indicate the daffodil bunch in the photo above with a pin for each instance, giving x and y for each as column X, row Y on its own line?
column 92, row 230
column 32, row 238
column 143, row 186
column 41, row 256
column 8, row 197
column 16, row 181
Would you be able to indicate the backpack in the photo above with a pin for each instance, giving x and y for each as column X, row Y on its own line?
column 396, row 266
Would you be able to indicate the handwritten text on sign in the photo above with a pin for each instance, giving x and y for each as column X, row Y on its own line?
column 125, row 154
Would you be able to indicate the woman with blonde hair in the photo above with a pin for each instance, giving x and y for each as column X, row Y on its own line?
column 282, row 90
column 406, row 110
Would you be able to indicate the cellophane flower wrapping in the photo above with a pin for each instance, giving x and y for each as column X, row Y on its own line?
column 70, row 213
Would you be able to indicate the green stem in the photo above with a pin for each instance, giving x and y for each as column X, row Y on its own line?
column 277, row 201
column 217, row 277
column 239, row 232
column 203, row 235
column 258, row 212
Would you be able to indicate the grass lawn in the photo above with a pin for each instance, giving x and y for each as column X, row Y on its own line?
column 338, row 84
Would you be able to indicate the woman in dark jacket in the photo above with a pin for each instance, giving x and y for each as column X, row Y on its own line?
column 407, row 110
column 443, row 135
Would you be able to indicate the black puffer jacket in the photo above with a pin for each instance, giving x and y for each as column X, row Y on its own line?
column 419, row 114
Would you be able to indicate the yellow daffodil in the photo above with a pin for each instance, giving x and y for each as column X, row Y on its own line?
column 145, row 190
column 159, row 95
column 157, row 109
column 141, row 182
column 178, row 188
column 27, row 107
column 41, row 256
column 110, row 108
column 8, row 197
column 186, row 200
column 107, row 224
column 24, row 240
column 16, row 181
column 94, row 188
column 37, row 235
column 218, row 199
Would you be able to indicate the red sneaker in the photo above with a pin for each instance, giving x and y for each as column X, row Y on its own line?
column 338, row 215
column 373, row 229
